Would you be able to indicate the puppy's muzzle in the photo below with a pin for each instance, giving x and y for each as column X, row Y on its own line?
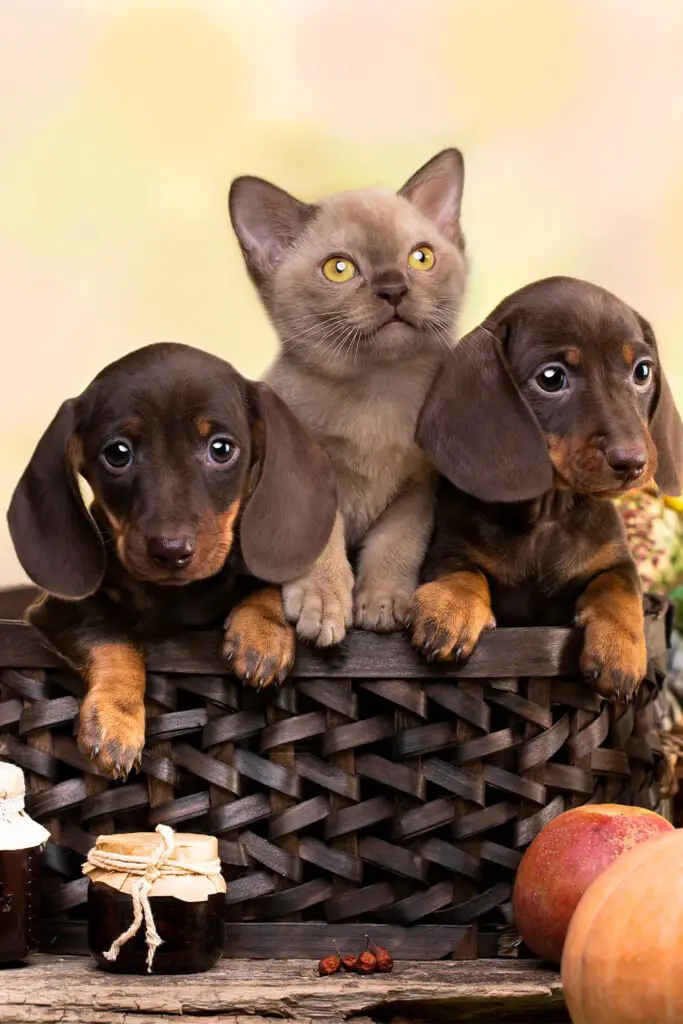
column 171, row 553
column 627, row 462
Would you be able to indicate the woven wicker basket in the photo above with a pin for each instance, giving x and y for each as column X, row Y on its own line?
column 374, row 792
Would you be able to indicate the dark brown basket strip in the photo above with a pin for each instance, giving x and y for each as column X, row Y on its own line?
column 396, row 859
column 543, row 746
column 239, row 814
column 451, row 857
column 455, row 780
column 330, row 695
column 358, row 734
column 24, row 686
column 395, row 776
column 31, row 759
column 330, row 776
column 359, row 816
column 357, row 902
column 280, row 861
column 401, row 693
column 420, row 905
column 336, row 862
column 300, row 817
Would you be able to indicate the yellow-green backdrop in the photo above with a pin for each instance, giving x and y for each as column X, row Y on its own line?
column 122, row 123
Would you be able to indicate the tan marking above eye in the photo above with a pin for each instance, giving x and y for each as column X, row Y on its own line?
column 629, row 354
column 204, row 426
column 573, row 357
column 132, row 428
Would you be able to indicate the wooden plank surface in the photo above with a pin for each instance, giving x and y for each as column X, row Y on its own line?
column 73, row 991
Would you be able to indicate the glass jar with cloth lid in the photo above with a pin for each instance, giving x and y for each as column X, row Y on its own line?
column 155, row 902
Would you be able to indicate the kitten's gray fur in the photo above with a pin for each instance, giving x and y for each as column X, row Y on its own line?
column 356, row 380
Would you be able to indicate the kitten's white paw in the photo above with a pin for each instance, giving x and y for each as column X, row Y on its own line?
column 320, row 606
column 381, row 610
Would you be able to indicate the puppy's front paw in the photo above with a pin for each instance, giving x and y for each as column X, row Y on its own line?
column 112, row 732
column 614, row 656
column 447, row 617
column 259, row 645
column 321, row 605
column 381, row 610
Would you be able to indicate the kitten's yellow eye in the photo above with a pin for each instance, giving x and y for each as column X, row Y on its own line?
column 339, row 270
column 422, row 258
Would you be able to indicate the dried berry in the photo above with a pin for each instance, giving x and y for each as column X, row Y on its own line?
column 366, row 963
column 385, row 961
column 329, row 965
column 348, row 962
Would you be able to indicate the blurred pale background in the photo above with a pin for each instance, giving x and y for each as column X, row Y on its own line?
column 121, row 125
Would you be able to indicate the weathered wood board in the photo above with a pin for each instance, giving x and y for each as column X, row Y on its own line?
column 72, row 991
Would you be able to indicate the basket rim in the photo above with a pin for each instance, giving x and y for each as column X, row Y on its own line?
column 536, row 651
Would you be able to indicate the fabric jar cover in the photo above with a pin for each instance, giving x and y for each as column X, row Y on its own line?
column 192, row 872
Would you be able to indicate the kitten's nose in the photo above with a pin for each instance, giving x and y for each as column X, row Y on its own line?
column 392, row 292
column 171, row 552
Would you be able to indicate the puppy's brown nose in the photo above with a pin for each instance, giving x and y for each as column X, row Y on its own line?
column 628, row 462
column 392, row 292
column 171, row 552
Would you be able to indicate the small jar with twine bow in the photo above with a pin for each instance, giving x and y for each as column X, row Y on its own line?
column 21, row 841
column 155, row 902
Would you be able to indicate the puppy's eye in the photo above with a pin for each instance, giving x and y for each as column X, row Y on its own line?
column 117, row 455
column 339, row 269
column 422, row 258
column 222, row 451
column 552, row 379
column 642, row 372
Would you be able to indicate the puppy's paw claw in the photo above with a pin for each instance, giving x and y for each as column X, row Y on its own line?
column 614, row 659
column 259, row 648
column 445, row 625
column 111, row 737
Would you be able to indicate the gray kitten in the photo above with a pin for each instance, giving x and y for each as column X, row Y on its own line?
column 364, row 290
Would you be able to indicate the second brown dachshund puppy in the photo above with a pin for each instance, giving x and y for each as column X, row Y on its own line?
column 201, row 480
column 554, row 405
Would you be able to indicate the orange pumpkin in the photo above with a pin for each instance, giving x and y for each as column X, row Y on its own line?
column 622, row 960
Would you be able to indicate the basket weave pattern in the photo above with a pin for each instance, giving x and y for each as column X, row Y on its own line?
column 373, row 790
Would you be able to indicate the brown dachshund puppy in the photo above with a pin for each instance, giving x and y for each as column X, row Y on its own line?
column 554, row 405
column 200, row 480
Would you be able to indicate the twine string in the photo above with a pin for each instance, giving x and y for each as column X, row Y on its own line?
column 160, row 862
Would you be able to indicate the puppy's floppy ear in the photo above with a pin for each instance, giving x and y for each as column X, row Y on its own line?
column 55, row 538
column 477, row 428
column 267, row 221
column 436, row 190
column 666, row 429
column 289, row 517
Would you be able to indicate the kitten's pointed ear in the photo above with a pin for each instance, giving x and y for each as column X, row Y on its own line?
column 267, row 221
column 436, row 190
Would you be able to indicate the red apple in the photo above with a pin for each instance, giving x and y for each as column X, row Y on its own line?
column 563, row 860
